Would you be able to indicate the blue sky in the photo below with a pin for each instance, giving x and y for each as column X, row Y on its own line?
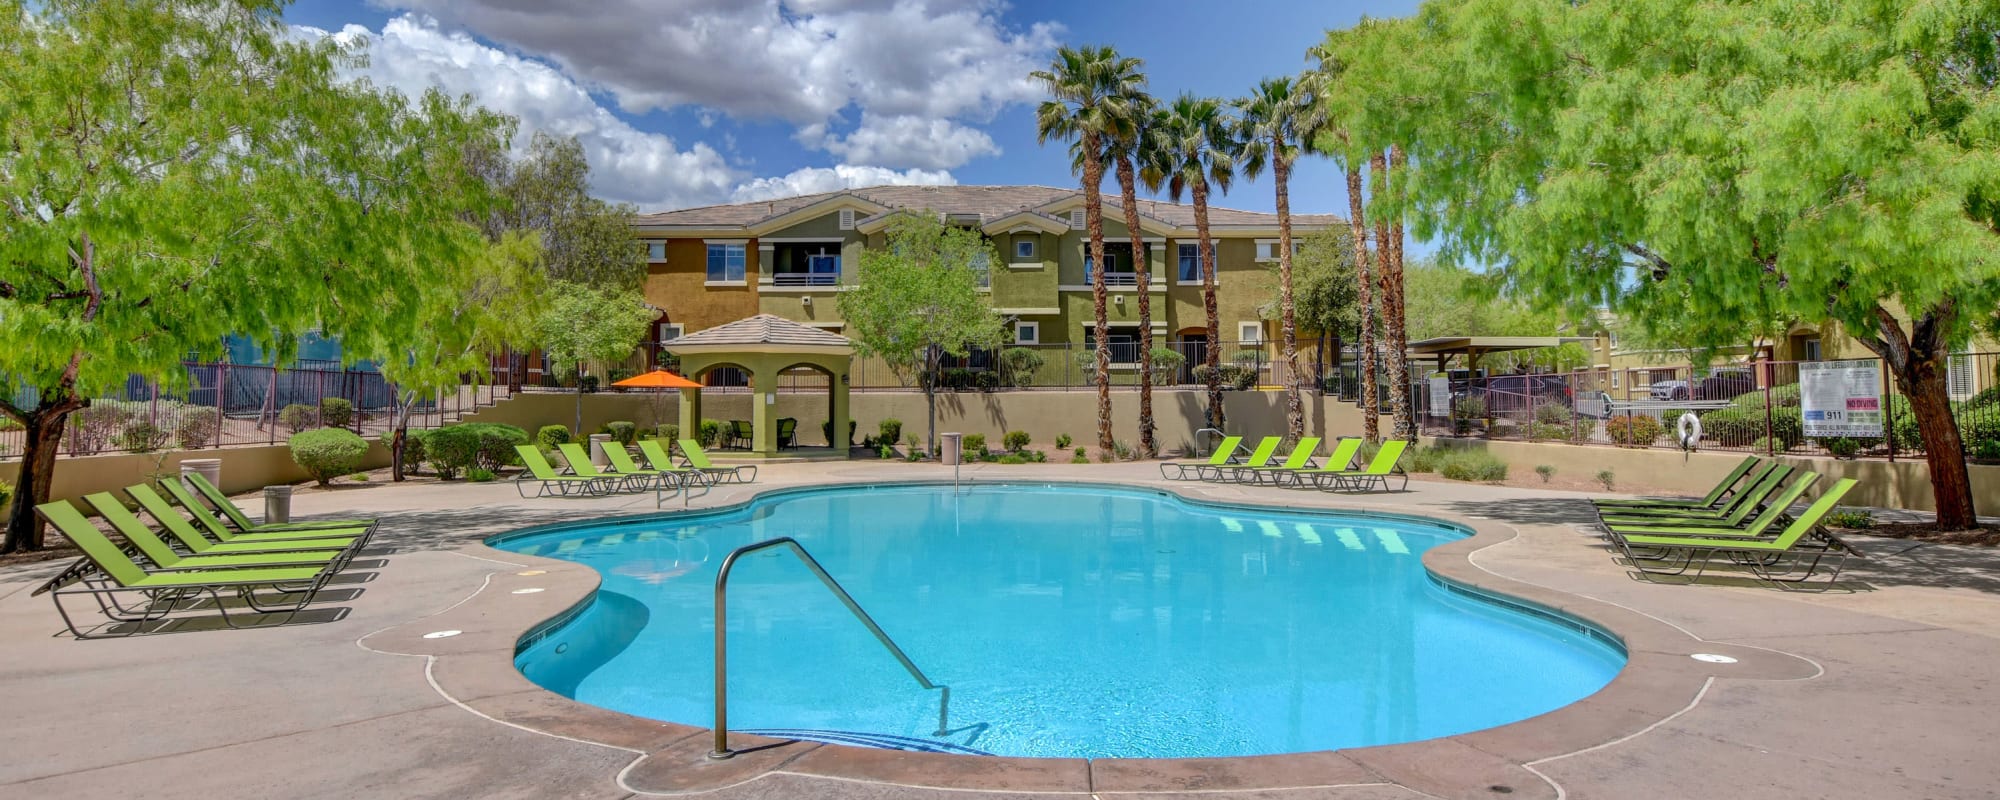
column 689, row 102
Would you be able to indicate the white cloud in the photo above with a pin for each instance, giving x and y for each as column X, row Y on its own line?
column 813, row 180
column 910, row 141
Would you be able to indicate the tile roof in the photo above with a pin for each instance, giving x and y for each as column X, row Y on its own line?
column 761, row 330
column 989, row 202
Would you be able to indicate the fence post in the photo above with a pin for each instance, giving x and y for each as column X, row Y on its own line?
column 1771, row 445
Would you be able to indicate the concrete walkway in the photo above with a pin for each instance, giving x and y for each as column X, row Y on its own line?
column 1902, row 704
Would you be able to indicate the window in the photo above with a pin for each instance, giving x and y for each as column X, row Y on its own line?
column 1249, row 332
column 1267, row 249
column 726, row 263
column 655, row 251
column 1027, row 333
column 1958, row 376
column 1809, row 350
column 1122, row 342
column 847, row 219
column 1190, row 263
column 1089, row 268
column 1024, row 249
column 666, row 331
column 1614, row 379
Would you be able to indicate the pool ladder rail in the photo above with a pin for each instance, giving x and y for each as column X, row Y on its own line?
column 722, row 750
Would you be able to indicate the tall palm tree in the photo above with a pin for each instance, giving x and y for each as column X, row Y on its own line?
column 1325, row 77
column 1274, row 119
column 1088, row 89
column 1131, row 144
column 1194, row 150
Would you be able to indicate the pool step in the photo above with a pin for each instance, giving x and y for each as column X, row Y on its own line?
column 879, row 741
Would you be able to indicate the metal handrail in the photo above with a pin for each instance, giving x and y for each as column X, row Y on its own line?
column 722, row 750
column 1215, row 437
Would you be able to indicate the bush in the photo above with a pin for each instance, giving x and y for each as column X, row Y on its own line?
column 1546, row 471
column 1166, row 364
column 884, row 451
column 141, row 437
column 891, row 430
column 479, row 475
column 668, row 432
column 587, row 384
column 91, row 427
column 1013, row 458
column 197, row 430
column 986, row 381
column 1239, row 377
column 1608, row 478
column 413, row 448
column 6, row 493
column 1841, row 446
column 1015, row 441
column 1469, row 408
column 975, row 443
column 552, row 436
column 1633, row 431
column 1851, row 518
column 358, row 477
column 328, row 452
column 1986, row 450
column 711, row 432
column 335, row 412
column 1473, row 465
column 1546, row 432
column 298, row 417
column 1554, row 414
column 496, row 443
column 1079, row 457
column 1767, row 444
column 451, row 450
column 621, row 432
column 1736, row 427
column 1020, row 364
column 1063, row 441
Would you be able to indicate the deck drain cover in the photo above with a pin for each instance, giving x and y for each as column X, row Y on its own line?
column 533, row 572
column 529, row 590
column 441, row 634
column 1713, row 658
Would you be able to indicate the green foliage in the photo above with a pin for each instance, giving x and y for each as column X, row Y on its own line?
column 885, row 451
column 335, row 412
column 1019, row 364
column 298, row 416
column 450, row 450
column 586, row 324
column 1063, row 441
column 479, row 475
column 1015, row 441
column 1736, row 427
column 1638, row 430
column 1854, row 519
column 1013, row 458
column 1768, row 444
column 891, row 430
column 358, row 477
column 141, row 436
column 327, row 453
column 585, row 241
column 1546, row 471
column 6, row 494
column 496, row 443
column 711, row 432
column 413, row 447
column 1547, row 432
column 197, row 430
column 1608, row 478
column 1469, row 407
column 622, row 432
column 1078, row 457
column 668, row 432
column 1238, row 377
column 1325, row 291
column 974, row 443
column 1471, row 464
column 1841, row 446
column 1554, row 414
column 552, row 436
column 1166, row 363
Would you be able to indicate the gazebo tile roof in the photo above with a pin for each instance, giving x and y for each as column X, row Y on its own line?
column 763, row 329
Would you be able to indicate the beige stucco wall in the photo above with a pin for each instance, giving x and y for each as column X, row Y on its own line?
column 243, row 469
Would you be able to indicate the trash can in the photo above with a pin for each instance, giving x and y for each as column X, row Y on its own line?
column 599, row 441
column 277, row 504
column 208, row 468
column 950, row 448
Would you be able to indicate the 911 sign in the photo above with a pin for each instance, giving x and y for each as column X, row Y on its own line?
column 1841, row 398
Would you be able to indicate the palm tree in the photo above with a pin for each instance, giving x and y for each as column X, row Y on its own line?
column 1325, row 77
column 1275, row 119
column 1195, row 149
column 1390, row 251
column 1089, row 88
column 1130, row 144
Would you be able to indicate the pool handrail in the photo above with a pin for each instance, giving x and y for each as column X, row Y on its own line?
column 722, row 750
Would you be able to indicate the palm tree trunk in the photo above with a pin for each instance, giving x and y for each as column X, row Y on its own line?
column 1213, row 355
column 1093, row 217
column 1141, row 269
column 1371, row 425
column 1392, row 314
column 1295, row 412
column 1378, row 175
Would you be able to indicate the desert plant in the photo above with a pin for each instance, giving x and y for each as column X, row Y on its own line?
column 891, row 430
column 456, row 448
column 1554, row 414
column 1015, row 441
column 622, row 432
column 1546, row 471
column 328, row 452
column 1608, row 478
column 141, row 437
column 335, row 412
column 975, row 443
column 497, row 442
column 1473, row 465
column 479, row 475
column 298, row 416
column 197, row 430
column 552, row 436
column 1238, row 377
column 1633, row 431
column 1079, row 457
column 1851, row 518
column 1062, row 441
column 1469, row 408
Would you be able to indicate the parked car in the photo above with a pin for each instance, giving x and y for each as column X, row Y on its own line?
column 1506, row 395
column 1721, row 384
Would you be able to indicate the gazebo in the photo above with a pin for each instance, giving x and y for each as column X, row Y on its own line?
column 765, row 346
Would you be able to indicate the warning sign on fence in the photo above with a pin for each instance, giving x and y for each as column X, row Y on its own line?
column 1440, row 396
column 1841, row 398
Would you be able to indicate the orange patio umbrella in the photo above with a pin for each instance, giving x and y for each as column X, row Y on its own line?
column 657, row 379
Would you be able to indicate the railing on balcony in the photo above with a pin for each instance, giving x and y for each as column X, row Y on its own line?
column 805, row 279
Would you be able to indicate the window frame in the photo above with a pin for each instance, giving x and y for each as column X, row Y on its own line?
column 1257, row 338
column 1024, row 248
column 740, row 251
column 1034, row 336
column 1181, row 259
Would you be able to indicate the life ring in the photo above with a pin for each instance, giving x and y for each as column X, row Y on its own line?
column 1688, row 430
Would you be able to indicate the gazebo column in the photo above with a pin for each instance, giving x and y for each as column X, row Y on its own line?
column 691, row 414
column 837, row 411
column 763, row 408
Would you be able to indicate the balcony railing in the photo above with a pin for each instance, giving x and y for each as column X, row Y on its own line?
column 805, row 279
column 1114, row 278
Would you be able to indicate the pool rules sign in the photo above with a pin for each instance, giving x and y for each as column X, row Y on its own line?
column 1841, row 398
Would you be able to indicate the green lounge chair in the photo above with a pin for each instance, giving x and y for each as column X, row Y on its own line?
column 1776, row 506
column 580, row 464
column 1728, row 483
column 106, row 574
column 1760, row 479
column 1387, row 463
column 1341, row 460
column 622, row 464
column 224, row 533
column 1301, row 458
column 1732, row 514
column 229, row 511
column 696, row 458
column 163, row 556
column 1790, row 557
column 540, row 472
column 1225, row 451
column 658, row 457
column 185, row 532
column 1258, row 457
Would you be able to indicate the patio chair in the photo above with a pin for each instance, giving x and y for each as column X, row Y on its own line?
column 184, row 532
column 1732, row 514
column 1777, row 507
column 222, row 532
column 741, row 434
column 1340, row 460
column 229, row 511
column 1258, row 457
column 549, row 481
column 1301, row 458
column 580, row 464
column 788, row 433
column 622, row 464
column 1790, row 557
column 1387, row 463
column 106, row 574
column 658, row 457
column 698, row 459
column 156, row 550
column 1225, row 453
column 1729, row 482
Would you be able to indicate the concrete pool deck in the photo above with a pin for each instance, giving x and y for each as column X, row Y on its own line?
column 1879, row 688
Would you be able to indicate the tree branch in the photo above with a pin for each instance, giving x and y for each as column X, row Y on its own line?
column 1661, row 267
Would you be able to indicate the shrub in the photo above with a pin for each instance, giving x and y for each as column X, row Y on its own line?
column 1239, row 377
column 975, row 443
column 450, row 450
column 1554, row 414
column 711, row 431
column 1851, row 518
column 1469, row 408
column 496, row 443
column 1986, row 450
column 667, row 432
column 1735, row 427
column 1423, row 459
column 91, row 427
column 335, row 412
column 884, row 451
column 986, row 381
column 1767, row 444
column 1473, row 465
column 10, row 424
column 328, row 452
column 891, row 430
column 587, row 384
column 141, row 437
column 479, row 475
column 358, row 477
column 197, row 430
column 1608, row 478
column 551, row 436
column 298, row 417
column 1020, row 364
column 1544, row 432
column 1063, row 441
column 1015, row 441
column 6, row 493
column 413, row 447
column 1546, row 471
column 1841, row 446
column 621, row 432
column 1079, row 458
column 1166, row 364
column 1633, row 431
column 1013, row 458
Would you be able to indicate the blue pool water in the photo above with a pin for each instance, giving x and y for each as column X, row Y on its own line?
column 1068, row 621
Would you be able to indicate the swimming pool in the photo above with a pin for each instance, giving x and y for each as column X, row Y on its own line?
column 1072, row 621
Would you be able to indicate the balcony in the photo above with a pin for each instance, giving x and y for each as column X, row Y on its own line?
column 805, row 279
column 1114, row 278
